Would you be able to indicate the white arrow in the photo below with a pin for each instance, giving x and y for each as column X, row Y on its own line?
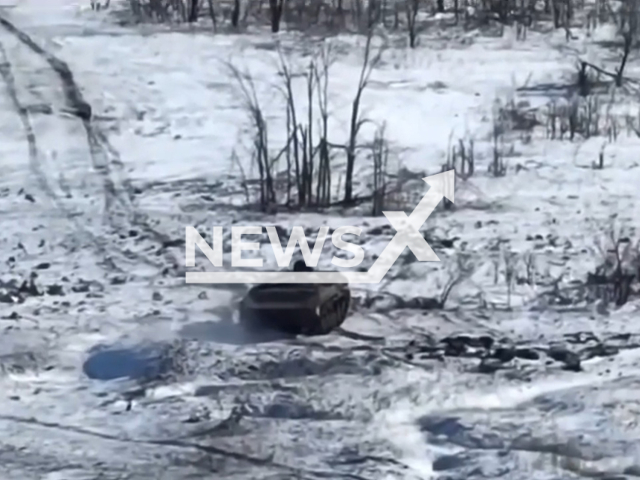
column 408, row 234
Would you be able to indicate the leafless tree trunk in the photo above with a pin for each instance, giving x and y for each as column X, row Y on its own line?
column 304, row 145
column 235, row 15
column 368, row 65
column 311, row 152
column 373, row 13
column 212, row 15
column 628, row 27
column 292, row 126
column 261, row 138
column 135, row 8
column 323, row 192
column 412, row 8
column 380, row 155
column 275, row 9
column 193, row 11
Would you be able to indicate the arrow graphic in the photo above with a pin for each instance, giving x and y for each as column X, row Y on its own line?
column 407, row 235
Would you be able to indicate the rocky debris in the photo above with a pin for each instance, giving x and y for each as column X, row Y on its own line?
column 301, row 362
column 490, row 365
column 170, row 243
column 55, row 289
column 500, row 354
column 10, row 297
column 527, row 354
column 118, row 280
column 386, row 302
column 287, row 405
column 449, row 462
column 434, row 240
column 600, row 350
column 201, row 414
column 15, row 291
column 569, row 359
column 84, row 286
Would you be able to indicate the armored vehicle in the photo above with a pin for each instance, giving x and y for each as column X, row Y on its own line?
column 294, row 308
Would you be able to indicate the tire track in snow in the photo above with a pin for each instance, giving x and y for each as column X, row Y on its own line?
column 35, row 165
column 101, row 153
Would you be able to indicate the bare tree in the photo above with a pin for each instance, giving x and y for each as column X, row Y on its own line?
column 212, row 15
column 412, row 8
column 293, row 148
column 626, row 20
column 235, row 14
column 275, row 9
column 323, row 193
column 628, row 30
column 305, row 145
column 261, row 138
column 370, row 62
column 380, row 156
column 193, row 11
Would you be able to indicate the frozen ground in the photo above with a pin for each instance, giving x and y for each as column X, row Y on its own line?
column 96, row 210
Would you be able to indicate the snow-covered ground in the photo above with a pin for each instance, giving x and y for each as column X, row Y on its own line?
column 96, row 210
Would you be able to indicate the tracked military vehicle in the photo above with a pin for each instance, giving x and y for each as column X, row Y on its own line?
column 294, row 308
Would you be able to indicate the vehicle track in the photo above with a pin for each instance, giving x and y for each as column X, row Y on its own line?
column 118, row 211
column 36, row 167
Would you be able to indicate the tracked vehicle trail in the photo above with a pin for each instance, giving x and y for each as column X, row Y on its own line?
column 62, row 97
column 36, row 167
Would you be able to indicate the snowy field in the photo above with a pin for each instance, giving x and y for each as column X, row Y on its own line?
column 112, row 367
